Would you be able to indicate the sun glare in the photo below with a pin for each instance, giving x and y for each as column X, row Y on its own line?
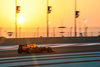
column 20, row 19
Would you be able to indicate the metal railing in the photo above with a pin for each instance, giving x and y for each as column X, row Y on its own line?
column 54, row 32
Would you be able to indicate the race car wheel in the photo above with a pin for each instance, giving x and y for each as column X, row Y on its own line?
column 49, row 49
column 28, row 51
column 20, row 49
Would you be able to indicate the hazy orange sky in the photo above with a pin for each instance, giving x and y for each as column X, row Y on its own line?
column 34, row 13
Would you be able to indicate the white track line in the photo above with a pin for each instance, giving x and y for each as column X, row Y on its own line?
column 50, row 45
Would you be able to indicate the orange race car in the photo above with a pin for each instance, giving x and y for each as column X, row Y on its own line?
column 32, row 48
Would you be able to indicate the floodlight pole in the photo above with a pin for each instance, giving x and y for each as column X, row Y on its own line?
column 75, row 23
column 47, row 20
column 16, row 19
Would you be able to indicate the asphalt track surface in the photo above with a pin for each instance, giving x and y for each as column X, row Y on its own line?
column 69, row 56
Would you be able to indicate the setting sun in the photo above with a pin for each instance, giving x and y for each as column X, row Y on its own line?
column 20, row 19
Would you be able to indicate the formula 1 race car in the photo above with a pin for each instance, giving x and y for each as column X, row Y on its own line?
column 31, row 48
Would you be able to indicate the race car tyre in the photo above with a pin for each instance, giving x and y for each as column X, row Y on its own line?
column 49, row 49
column 20, row 51
column 28, row 51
